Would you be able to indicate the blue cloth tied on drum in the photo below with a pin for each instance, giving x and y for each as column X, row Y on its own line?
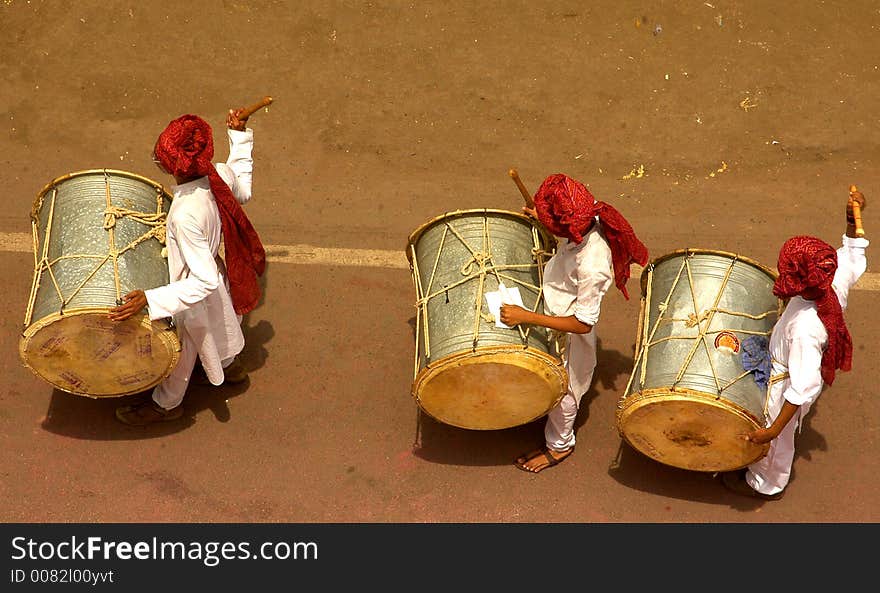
column 756, row 359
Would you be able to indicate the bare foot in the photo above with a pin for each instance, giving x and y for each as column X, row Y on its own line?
column 526, row 456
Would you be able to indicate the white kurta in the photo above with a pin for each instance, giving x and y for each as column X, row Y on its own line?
column 796, row 346
column 575, row 280
column 197, row 297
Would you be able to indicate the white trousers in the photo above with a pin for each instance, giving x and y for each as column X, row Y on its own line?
column 580, row 363
column 169, row 393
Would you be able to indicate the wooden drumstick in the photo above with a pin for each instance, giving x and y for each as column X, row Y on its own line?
column 249, row 111
column 857, row 212
column 522, row 188
column 530, row 203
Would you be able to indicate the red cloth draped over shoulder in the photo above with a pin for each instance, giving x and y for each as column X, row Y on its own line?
column 806, row 268
column 185, row 149
column 567, row 208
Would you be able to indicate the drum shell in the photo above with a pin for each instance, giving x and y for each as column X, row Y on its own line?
column 469, row 379
column 689, row 401
column 72, row 344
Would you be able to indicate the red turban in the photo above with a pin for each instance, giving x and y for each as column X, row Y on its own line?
column 185, row 149
column 806, row 268
column 568, row 209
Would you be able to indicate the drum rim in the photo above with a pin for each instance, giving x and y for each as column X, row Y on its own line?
column 699, row 251
column 421, row 229
column 38, row 201
column 168, row 335
column 630, row 404
column 431, row 370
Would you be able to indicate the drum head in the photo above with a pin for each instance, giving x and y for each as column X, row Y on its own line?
column 85, row 353
column 491, row 388
column 689, row 430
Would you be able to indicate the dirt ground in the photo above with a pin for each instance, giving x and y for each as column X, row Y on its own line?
column 726, row 125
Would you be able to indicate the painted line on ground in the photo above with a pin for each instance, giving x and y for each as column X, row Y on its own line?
column 333, row 256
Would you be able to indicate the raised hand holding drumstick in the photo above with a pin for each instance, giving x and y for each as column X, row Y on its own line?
column 854, row 207
column 529, row 208
column 530, row 203
column 236, row 119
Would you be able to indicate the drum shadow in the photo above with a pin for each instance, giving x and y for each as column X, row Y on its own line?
column 85, row 418
column 450, row 445
column 639, row 472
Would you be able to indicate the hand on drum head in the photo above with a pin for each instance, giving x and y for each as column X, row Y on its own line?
column 133, row 303
column 761, row 436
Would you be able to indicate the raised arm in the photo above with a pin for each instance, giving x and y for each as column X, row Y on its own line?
column 238, row 169
column 851, row 259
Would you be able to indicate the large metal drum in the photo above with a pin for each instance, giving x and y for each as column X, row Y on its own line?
column 689, row 402
column 468, row 372
column 98, row 234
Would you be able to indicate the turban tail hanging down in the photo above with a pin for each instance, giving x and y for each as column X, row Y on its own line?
column 568, row 209
column 185, row 149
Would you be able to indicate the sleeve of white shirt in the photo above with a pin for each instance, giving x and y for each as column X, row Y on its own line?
column 238, row 170
column 851, row 264
column 805, row 367
column 594, row 279
column 203, row 277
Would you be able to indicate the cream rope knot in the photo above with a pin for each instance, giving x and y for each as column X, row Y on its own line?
column 479, row 258
column 155, row 221
column 694, row 320
column 539, row 253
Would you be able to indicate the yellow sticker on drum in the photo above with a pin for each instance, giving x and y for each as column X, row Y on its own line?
column 727, row 341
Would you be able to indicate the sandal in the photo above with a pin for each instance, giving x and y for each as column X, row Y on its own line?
column 147, row 412
column 551, row 460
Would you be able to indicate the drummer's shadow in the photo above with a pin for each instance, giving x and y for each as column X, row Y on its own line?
column 442, row 443
column 81, row 417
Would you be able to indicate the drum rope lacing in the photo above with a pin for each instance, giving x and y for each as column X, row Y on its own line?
column 702, row 319
column 480, row 264
column 156, row 229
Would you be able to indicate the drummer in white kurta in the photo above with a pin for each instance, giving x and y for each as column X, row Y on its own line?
column 597, row 249
column 796, row 349
column 197, row 297
column 575, row 280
